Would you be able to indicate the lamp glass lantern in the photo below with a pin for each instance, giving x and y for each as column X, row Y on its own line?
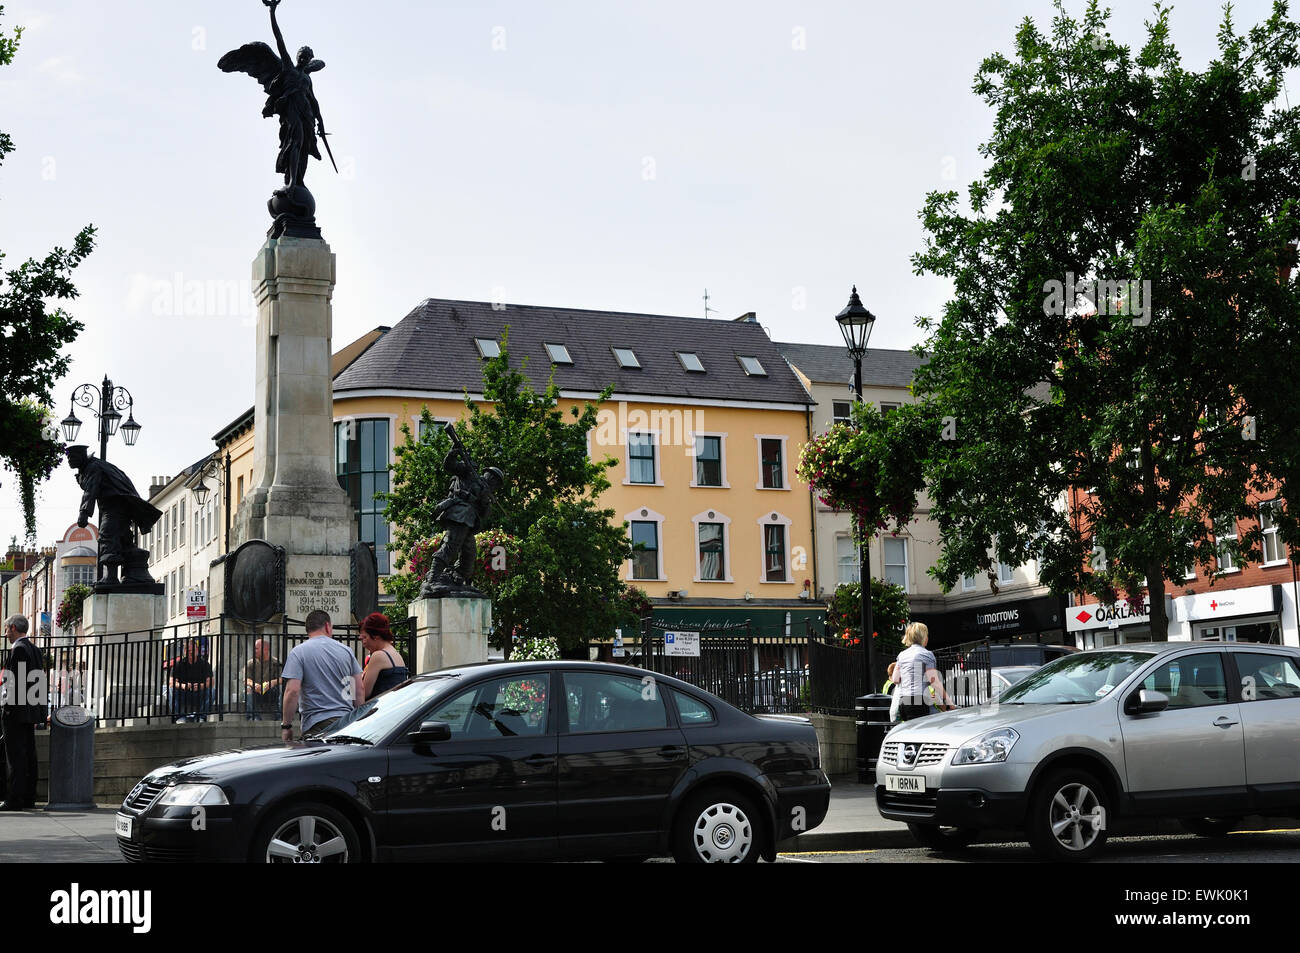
column 111, row 421
column 70, row 425
column 130, row 431
column 201, row 493
column 856, row 323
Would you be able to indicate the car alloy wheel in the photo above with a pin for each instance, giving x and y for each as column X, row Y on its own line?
column 1068, row 816
column 1075, row 818
column 720, row 827
column 308, row 834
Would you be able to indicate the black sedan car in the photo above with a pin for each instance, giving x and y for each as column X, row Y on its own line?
column 499, row 761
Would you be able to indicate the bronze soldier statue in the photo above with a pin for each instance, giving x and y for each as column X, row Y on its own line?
column 463, row 513
column 121, row 513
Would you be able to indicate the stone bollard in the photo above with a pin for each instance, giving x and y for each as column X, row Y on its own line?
column 72, row 760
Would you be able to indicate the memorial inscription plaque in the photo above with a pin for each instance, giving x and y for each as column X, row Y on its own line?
column 321, row 582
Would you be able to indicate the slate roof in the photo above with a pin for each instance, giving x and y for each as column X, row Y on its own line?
column 830, row 364
column 433, row 349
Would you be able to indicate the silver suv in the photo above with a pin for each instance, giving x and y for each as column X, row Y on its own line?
column 1206, row 732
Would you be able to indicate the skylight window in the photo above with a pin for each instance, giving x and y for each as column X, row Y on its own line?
column 488, row 347
column 751, row 365
column 559, row 354
column 691, row 361
column 626, row 357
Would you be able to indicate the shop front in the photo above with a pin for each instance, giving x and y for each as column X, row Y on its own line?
column 1036, row 620
column 1253, row 614
column 1095, row 625
column 778, row 634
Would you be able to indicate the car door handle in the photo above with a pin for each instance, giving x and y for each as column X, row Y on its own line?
column 1223, row 722
column 671, row 751
column 538, row 759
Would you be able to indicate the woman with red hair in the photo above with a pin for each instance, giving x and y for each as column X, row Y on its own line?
column 385, row 668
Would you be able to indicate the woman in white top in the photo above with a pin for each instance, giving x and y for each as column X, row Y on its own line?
column 920, row 686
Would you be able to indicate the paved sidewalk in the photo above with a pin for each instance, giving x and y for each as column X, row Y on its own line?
column 852, row 823
column 59, row 837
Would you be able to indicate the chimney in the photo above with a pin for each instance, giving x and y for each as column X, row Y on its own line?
column 156, row 484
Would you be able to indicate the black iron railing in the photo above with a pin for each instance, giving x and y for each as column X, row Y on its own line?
column 131, row 677
column 759, row 669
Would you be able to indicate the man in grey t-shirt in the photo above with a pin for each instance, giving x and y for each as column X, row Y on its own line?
column 321, row 677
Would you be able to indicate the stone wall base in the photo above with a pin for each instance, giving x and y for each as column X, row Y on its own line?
column 124, row 755
column 450, row 632
column 838, row 737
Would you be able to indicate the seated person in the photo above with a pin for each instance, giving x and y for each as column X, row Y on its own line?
column 190, row 682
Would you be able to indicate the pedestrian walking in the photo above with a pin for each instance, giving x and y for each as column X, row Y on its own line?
column 385, row 668
column 322, row 679
column 20, row 718
column 915, row 673
column 889, row 689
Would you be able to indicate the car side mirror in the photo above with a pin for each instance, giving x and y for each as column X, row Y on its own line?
column 430, row 731
column 1147, row 701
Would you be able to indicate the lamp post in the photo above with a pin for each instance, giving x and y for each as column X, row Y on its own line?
column 111, row 399
column 856, row 323
column 222, row 476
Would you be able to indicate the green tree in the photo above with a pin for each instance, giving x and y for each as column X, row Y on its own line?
column 889, row 608
column 564, row 582
column 1170, row 393
column 32, row 339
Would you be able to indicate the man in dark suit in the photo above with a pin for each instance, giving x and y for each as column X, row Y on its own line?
column 20, row 718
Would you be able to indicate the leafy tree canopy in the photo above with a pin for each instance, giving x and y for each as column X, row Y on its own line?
column 1124, row 317
column 564, row 581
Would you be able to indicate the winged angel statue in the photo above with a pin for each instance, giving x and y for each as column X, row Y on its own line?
column 289, row 95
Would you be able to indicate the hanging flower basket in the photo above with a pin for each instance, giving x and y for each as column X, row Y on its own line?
column 68, row 616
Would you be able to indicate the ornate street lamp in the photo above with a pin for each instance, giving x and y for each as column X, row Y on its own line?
column 111, row 400
column 219, row 469
column 856, row 323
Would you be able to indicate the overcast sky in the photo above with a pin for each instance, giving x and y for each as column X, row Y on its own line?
column 579, row 154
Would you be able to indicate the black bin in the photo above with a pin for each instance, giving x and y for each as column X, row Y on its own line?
column 872, row 716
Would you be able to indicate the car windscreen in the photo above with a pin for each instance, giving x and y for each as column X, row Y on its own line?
column 1004, row 655
column 378, row 718
column 1013, row 675
column 1075, row 679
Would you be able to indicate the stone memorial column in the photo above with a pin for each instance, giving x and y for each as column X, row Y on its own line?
column 296, row 501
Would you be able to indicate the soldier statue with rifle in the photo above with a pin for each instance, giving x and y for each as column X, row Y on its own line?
column 463, row 513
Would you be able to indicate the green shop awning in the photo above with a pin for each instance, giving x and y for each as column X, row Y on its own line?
column 763, row 621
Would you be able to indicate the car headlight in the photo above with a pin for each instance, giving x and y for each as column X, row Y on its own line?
column 988, row 748
column 187, row 794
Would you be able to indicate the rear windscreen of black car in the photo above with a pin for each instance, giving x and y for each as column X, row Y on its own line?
column 1005, row 655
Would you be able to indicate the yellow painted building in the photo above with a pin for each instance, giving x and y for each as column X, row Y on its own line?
column 707, row 421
